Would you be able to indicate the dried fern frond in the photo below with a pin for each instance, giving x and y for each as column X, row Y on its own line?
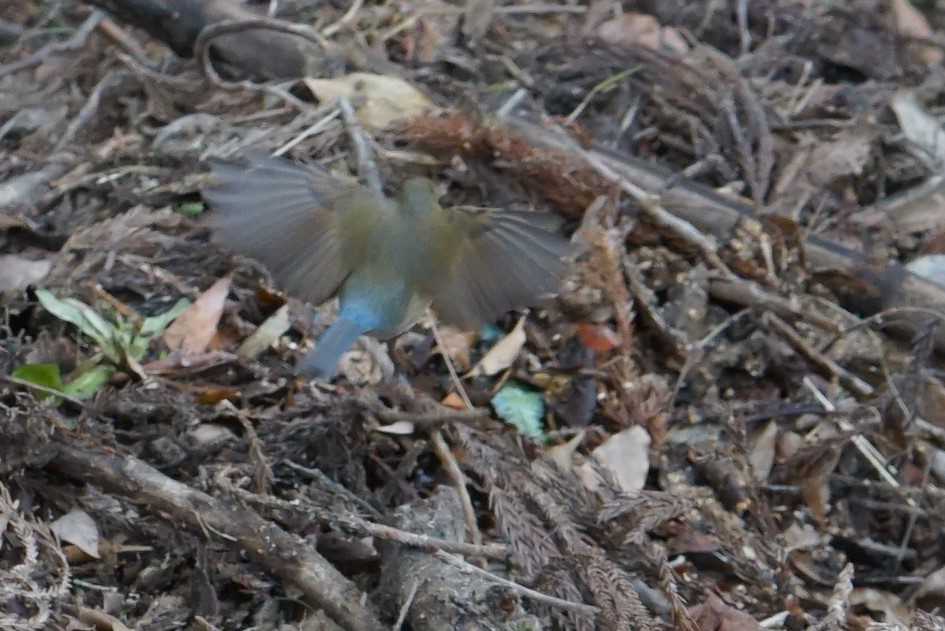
column 40, row 556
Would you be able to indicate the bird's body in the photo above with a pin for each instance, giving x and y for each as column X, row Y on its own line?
column 387, row 260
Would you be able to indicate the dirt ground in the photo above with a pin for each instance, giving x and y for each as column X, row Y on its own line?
column 731, row 416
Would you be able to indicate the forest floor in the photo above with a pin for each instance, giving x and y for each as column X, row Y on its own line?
column 731, row 417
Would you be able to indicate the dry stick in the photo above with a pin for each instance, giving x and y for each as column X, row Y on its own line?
column 443, row 450
column 455, row 474
column 519, row 589
column 283, row 554
column 496, row 551
column 649, row 203
column 90, row 109
column 816, row 357
column 405, row 609
column 317, row 128
column 75, row 42
column 367, row 167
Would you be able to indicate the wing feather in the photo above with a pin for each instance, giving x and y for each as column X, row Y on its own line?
column 505, row 260
column 298, row 220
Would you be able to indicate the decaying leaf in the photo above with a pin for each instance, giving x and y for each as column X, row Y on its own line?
column 379, row 100
column 761, row 455
column 192, row 331
column 715, row 615
column 266, row 335
column 78, row 528
column 640, row 29
column 503, row 354
column 626, row 455
column 456, row 344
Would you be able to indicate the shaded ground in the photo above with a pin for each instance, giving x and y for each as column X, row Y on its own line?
column 730, row 417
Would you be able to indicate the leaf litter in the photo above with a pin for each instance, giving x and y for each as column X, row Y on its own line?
column 720, row 422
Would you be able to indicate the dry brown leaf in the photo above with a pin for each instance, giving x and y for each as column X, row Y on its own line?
column 715, row 615
column 192, row 331
column 266, row 335
column 761, row 455
column 563, row 455
column 78, row 528
column 456, row 345
column 912, row 23
column 640, row 29
column 626, row 455
column 503, row 354
column 379, row 100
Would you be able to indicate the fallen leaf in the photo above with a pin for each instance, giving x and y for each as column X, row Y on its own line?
column 627, row 456
column 503, row 354
column 456, row 345
column 17, row 272
column 563, row 454
column 77, row 528
column 192, row 331
column 266, row 335
column 918, row 126
column 715, row 615
column 453, row 401
column 398, row 428
column 640, row 29
column 761, row 454
column 379, row 100
column 912, row 23
column 210, row 434
column 522, row 407
column 598, row 337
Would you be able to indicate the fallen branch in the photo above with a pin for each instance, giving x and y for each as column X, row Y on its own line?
column 283, row 554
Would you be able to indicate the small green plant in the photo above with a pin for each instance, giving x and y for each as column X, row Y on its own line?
column 122, row 342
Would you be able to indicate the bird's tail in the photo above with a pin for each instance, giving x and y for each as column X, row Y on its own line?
column 322, row 361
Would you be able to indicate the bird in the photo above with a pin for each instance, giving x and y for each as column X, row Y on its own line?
column 387, row 259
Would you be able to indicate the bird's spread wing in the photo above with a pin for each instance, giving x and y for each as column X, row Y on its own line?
column 305, row 225
column 503, row 261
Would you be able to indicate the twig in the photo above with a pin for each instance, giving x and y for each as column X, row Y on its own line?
column 454, row 376
column 47, row 390
column 75, row 42
column 649, row 203
column 405, row 609
column 345, row 19
column 367, row 167
column 519, row 589
column 121, row 37
column 310, row 131
column 455, row 474
column 814, row 356
column 496, row 551
column 282, row 553
column 90, row 108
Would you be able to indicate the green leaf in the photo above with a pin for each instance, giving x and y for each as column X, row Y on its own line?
column 137, row 345
column 190, row 209
column 83, row 316
column 522, row 407
column 46, row 375
column 155, row 325
column 89, row 382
